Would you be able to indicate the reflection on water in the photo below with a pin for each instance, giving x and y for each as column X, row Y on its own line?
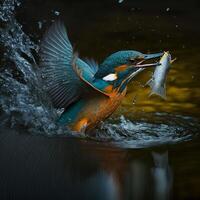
column 81, row 169
column 140, row 176
column 162, row 176
column 137, row 178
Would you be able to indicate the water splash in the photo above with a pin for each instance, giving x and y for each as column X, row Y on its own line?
column 22, row 103
column 120, row 1
column 7, row 9
column 138, row 134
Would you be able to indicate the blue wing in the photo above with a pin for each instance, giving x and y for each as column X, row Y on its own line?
column 65, row 76
column 93, row 66
column 62, row 83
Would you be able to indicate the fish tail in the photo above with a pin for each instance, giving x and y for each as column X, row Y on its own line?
column 161, row 91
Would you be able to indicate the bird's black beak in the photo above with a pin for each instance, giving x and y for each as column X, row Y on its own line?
column 143, row 61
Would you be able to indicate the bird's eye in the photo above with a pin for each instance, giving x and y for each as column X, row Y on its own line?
column 135, row 60
column 110, row 77
column 131, row 59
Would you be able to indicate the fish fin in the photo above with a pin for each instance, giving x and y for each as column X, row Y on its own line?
column 161, row 91
column 150, row 82
column 173, row 60
column 57, row 57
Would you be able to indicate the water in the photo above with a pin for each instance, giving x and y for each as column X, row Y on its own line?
column 140, row 134
column 162, row 130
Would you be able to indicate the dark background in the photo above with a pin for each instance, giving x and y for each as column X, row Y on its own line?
column 98, row 28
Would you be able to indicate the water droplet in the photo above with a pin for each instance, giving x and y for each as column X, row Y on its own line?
column 57, row 13
column 40, row 25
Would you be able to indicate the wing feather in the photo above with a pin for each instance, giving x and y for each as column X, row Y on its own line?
column 63, row 84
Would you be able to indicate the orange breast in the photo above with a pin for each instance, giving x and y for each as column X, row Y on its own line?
column 97, row 109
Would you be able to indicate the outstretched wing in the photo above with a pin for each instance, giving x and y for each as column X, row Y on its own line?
column 57, row 57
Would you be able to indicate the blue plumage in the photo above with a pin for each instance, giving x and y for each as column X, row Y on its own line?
column 115, row 60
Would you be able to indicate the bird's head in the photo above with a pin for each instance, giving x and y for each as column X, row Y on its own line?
column 120, row 67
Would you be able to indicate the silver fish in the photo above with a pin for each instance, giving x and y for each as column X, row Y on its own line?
column 157, row 82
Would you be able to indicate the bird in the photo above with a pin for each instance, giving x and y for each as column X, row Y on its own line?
column 88, row 92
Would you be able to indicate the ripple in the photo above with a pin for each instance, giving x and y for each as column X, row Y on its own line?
column 139, row 134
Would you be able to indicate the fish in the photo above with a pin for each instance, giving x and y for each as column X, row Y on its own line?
column 158, row 81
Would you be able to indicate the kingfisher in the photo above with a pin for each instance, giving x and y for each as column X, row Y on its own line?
column 88, row 92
